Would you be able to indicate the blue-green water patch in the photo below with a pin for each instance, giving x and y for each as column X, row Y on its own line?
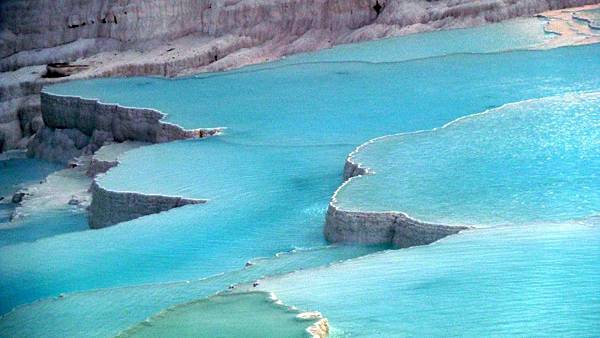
column 269, row 178
column 46, row 223
column 251, row 314
column 106, row 312
column 538, row 281
column 525, row 162
column 508, row 35
column 16, row 173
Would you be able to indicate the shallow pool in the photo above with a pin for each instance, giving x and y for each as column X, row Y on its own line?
column 269, row 177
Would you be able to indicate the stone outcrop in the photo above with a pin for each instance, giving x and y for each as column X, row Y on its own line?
column 62, row 145
column 113, row 24
column 75, row 126
column 122, row 123
column 112, row 207
column 163, row 37
column 382, row 228
column 71, row 29
column 369, row 227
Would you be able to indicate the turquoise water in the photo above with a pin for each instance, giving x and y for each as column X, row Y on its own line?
column 512, row 34
column 106, row 312
column 289, row 131
column 268, row 178
column 530, row 161
column 21, row 172
column 42, row 225
column 17, row 173
column 254, row 314
column 510, row 281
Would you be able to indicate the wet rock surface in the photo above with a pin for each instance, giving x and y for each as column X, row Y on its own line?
column 63, row 69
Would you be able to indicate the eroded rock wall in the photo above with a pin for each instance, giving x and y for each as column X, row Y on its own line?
column 76, row 28
column 112, row 207
column 98, row 166
column 67, row 29
column 343, row 226
column 75, row 126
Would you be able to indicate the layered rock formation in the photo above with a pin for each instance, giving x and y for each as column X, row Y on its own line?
column 368, row 227
column 112, row 207
column 161, row 37
column 75, row 126
column 66, row 188
column 393, row 228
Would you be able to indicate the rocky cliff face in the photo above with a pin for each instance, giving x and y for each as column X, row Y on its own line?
column 68, row 29
column 75, row 28
column 165, row 37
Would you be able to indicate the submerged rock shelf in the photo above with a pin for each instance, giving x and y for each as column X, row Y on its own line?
column 107, row 156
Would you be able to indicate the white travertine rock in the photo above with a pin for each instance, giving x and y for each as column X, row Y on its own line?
column 121, row 123
column 60, row 145
column 69, row 29
column 393, row 228
column 75, row 126
column 112, row 207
